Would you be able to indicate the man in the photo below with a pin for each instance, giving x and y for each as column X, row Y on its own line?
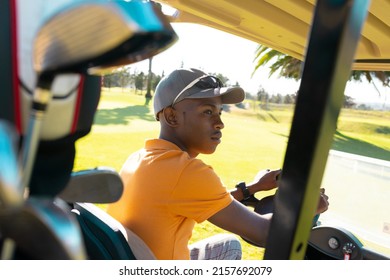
column 168, row 190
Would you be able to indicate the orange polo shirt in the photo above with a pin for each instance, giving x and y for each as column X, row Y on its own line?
column 165, row 193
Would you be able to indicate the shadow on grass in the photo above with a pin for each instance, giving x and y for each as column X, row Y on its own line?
column 123, row 115
column 383, row 130
column 348, row 144
column 273, row 117
column 263, row 116
column 282, row 135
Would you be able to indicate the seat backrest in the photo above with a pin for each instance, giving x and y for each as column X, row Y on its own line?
column 103, row 238
column 95, row 185
column 106, row 238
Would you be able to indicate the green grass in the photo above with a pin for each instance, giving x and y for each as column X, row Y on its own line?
column 252, row 140
column 365, row 133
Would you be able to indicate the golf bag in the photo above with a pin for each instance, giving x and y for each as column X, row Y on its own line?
column 56, row 220
column 78, row 94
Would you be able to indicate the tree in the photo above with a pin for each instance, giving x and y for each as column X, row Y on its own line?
column 120, row 77
column 290, row 67
column 139, row 81
column 156, row 79
column 109, row 80
column 123, row 76
column 278, row 99
column 348, row 102
column 221, row 77
column 148, row 95
column 289, row 99
column 263, row 97
column 383, row 76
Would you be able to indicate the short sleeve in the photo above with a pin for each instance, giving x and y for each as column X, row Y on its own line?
column 199, row 192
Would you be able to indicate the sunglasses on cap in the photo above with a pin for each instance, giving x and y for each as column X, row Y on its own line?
column 202, row 82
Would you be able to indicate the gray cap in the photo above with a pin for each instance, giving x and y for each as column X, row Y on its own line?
column 180, row 84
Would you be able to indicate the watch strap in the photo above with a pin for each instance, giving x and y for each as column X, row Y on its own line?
column 244, row 190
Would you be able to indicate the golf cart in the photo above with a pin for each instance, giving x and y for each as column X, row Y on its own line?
column 331, row 37
column 55, row 204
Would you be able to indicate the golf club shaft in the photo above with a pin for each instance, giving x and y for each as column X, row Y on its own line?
column 40, row 101
column 8, row 249
column 10, row 196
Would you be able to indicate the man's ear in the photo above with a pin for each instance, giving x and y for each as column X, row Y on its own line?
column 169, row 114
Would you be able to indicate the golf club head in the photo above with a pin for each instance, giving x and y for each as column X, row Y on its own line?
column 44, row 230
column 91, row 37
column 11, row 195
column 98, row 185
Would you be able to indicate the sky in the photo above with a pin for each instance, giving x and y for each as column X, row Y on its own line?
column 214, row 51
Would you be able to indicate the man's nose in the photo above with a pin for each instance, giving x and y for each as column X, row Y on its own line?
column 219, row 123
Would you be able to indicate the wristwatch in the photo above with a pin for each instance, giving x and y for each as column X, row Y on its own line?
column 244, row 190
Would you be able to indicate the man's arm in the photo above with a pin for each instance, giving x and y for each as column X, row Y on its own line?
column 238, row 219
column 264, row 180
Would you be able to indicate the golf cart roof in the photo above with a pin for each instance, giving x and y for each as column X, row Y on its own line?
column 285, row 25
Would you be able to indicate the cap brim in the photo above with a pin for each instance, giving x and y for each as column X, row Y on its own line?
column 229, row 95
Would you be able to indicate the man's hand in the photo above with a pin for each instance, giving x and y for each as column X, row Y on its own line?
column 323, row 202
column 265, row 180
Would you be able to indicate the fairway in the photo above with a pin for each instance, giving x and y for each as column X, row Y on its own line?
column 253, row 139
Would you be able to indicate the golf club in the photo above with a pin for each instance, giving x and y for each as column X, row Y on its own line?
column 44, row 230
column 85, row 38
column 90, row 38
column 10, row 195
column 11, row 198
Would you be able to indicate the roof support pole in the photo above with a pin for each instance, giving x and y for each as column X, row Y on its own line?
column 335, row 33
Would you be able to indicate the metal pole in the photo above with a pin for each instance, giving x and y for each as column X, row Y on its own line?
column 335, row 32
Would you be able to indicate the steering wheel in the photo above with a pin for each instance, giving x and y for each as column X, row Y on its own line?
column 266, row 206
column 324, row 243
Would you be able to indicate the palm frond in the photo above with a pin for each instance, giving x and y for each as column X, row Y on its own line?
column 290, row 67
